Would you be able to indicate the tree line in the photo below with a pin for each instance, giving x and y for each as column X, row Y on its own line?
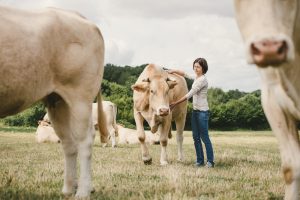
column 229, row 110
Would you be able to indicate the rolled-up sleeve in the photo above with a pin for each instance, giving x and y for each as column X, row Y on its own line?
column 197, row 86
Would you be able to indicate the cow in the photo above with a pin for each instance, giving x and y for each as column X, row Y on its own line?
column 130, row 136
column 153, row 91
column 45, row 133
column 271, row 31
column 110, row 110
column 55, row 56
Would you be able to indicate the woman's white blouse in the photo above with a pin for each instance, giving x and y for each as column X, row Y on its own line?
column 199, row 93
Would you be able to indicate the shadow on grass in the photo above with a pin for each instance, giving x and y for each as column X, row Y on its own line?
column 16, row 194
column 218, row 164
column 228, row 163
column 273, row 197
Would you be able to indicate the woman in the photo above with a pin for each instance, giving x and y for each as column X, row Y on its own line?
column 200, row 113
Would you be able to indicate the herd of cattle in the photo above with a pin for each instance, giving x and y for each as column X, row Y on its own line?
column 57, row 57
column 45, row 132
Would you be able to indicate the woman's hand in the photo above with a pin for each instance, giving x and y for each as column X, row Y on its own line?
column 171, row 71
column 172, row 105
column 175, row 71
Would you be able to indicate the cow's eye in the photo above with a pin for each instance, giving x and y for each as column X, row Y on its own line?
column 152, row 91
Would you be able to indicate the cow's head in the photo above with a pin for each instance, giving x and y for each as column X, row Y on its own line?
column 43, row 123
column 157, row 89
column 268, row 28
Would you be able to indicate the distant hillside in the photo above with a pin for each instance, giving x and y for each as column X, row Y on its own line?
column 228, row 110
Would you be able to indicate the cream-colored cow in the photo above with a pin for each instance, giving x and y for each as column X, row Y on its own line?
column 45, row 133
column 130, row 136
column 271, row 30
column 55, row 56
column 153, row 92
column 110, row 110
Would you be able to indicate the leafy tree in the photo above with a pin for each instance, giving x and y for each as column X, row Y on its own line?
column 29, row 117
column 228, row 110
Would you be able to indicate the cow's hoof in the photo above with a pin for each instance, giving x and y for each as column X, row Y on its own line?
column 82, row 195
column 104, row 139
column 93, row 190
column 67, row 196
column 68, row 192
column 82, row 198
column 163, row 163
column 148, row 161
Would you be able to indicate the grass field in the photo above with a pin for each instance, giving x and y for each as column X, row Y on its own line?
column 247, row 167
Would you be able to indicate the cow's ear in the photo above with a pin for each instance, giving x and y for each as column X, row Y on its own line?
column 140, row 87
column 171, row 83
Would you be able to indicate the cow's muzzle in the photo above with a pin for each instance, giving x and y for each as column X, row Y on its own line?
column 163, row 111
column 269, row 52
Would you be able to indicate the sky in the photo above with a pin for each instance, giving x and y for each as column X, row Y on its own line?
column 169, row 33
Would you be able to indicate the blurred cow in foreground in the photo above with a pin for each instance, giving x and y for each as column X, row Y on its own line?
column 271, row 30
column 55, row 56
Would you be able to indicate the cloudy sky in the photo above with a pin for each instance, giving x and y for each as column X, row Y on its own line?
column 171, row 33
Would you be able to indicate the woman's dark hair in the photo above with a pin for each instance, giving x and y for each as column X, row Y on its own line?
column 202, row 62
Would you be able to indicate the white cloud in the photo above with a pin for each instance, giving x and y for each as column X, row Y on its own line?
column 170, row 9
column 117, row 52
column 175, row 43
column 171, row 33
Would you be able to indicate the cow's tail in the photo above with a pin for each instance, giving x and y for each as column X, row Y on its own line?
column 170, row 132
column 102, row 121
column 115, row 110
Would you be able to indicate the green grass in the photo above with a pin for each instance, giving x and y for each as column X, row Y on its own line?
column 16, row 129
column 247, row 167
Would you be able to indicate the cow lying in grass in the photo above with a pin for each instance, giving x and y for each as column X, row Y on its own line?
column 130, row 136
column 46, row 133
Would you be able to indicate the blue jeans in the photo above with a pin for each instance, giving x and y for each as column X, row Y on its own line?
column 200, row 132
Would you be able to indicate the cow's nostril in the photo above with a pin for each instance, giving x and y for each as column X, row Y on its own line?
column 254, row 50
column 283, row 48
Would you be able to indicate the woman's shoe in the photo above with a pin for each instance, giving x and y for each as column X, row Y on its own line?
column 210, row 164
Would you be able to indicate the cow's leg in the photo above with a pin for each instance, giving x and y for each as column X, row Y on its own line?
column 74, row 127
column 180, row 122
column 163, row 129
column 285, row 129
column 142, row 137
column 112, row 134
